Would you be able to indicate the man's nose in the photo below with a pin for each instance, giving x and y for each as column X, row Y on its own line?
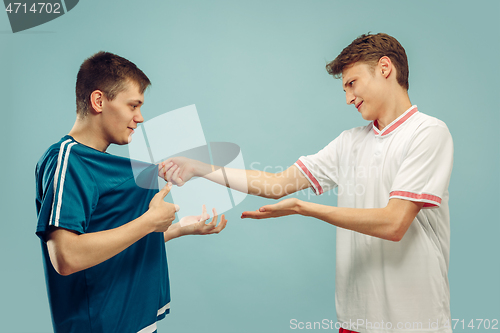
column 349, row 98
column 139, row 118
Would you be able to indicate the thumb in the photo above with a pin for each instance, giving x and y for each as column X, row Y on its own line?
column 165, row 190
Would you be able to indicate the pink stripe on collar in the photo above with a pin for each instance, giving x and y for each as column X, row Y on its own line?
column 396, row 123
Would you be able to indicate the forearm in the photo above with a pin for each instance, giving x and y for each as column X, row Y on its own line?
column 247, row 181
column 70, row 252
column 383, row 223
column 256, row 182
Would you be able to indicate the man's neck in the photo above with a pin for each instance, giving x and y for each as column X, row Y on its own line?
column 392, row 111
column 86, row 133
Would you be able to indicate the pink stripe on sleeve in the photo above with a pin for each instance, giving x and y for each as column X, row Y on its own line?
column 312, row 179
column 436, row 201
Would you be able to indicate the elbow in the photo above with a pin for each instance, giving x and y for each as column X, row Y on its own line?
column 63, row 270
column 61, row 261
column 400, row 214
column 395, row 237
column 398, row 230
column 62, row 266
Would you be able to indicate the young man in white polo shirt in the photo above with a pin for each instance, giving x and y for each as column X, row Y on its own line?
column 392, row 177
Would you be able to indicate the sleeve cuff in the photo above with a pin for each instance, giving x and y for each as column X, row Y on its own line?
column 314, row 182
column 429, row 200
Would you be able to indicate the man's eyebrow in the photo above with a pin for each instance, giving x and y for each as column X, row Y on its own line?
column 346, row 82
column 138, row 101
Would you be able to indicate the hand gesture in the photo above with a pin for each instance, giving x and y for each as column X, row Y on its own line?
column 282, row 208
column 161, row 213
column 178, row 170
column 195, row 225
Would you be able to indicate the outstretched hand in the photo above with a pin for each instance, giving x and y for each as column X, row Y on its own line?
column 196, row 225
column 282, row 208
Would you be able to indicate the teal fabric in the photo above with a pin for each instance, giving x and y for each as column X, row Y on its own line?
column 85, row 190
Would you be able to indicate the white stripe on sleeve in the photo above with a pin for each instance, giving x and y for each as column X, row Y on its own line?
column 56, row 176
column 61, row 187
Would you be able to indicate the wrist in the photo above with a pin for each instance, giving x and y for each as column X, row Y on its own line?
column 174, row 231
column 148, row 221
column 203, row 169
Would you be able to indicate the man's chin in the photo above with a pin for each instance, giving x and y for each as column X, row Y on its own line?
column 123, row 142
column 129, row 138
column 367, row 117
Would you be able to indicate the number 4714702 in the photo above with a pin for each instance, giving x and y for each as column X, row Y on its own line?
column 475, row 324
column 36, row 8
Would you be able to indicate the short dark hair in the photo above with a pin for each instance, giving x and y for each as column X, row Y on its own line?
column 370, row 48
column 106, row 72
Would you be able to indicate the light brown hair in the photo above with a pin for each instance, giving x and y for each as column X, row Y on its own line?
column 370, row 48
column 108, row 73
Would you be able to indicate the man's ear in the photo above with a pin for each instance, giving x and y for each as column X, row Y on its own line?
column 96, row 98
column 385, row 66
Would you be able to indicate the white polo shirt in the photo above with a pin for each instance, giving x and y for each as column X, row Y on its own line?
column 385, row 286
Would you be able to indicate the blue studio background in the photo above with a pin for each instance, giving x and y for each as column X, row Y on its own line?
column 256, row 72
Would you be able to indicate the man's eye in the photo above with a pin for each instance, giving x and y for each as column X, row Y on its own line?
column 350, row 83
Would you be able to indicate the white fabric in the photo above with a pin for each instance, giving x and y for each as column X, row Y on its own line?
column 149, row 329
column 382, row 284
column 163, row 309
